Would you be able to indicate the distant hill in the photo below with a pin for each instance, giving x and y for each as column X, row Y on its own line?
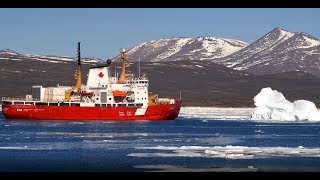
column 10, row 55
column 278, row 51
column 175, row 49
column 202, row 83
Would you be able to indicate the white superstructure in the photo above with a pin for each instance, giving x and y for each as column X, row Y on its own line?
column 102, row 89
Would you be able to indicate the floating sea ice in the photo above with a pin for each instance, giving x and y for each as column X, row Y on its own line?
column 272, row 105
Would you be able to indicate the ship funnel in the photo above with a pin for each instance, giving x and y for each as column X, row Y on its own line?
column 79, row 58
column 109, row 62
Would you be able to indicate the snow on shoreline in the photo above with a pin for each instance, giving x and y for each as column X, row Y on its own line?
column 222, row 113
column 216, row 113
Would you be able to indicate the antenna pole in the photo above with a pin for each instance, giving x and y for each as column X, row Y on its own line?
column 79, row 58
column 180, row 95
column 139, row 68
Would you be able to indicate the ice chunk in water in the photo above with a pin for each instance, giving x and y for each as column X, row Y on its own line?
column 272, row 105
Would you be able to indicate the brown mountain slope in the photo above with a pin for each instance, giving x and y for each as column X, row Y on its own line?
column 201, row 83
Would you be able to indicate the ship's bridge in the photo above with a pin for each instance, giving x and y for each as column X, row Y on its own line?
column 140, row 81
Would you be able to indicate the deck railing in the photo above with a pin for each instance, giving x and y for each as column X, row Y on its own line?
column 18, row 99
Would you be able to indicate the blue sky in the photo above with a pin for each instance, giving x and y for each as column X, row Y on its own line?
column 103, row 32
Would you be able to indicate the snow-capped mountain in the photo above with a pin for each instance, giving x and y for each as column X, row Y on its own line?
column 61, row 59
column 278, row 51
column 174, row 49
column 8, row 54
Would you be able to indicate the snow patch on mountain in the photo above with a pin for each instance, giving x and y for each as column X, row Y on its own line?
column 310, row 42
column 8, row 52
column 174, row 49
column 58, row 58
column 277, row 51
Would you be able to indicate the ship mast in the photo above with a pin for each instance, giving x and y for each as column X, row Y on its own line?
column 123, row 75
column 77, row 87
column 78, row 72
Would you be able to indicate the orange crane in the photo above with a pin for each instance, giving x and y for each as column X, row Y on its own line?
column 77, row 87
column 124, row 57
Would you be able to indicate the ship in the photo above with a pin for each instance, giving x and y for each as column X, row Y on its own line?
column 104, row 97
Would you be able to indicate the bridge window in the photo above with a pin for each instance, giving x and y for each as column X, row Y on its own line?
column 6, row 102
column 41, row 104
column 64, row 104
column 18, row 102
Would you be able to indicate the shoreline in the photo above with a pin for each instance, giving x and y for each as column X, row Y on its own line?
column 220, row 107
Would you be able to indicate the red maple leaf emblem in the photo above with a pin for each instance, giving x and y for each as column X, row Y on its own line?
column 101, row 74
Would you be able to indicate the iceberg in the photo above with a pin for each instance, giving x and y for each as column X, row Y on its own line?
column 272, row 105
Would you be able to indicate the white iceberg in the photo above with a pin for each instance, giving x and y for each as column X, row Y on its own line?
column 272, row 105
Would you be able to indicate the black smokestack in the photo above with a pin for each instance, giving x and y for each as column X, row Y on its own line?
column 79, row 61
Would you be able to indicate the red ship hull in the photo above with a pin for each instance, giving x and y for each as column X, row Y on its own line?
column 36, row 112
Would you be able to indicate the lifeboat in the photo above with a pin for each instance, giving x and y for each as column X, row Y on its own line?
column 118, row 93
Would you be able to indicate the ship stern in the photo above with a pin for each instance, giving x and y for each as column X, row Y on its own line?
column 175, row 110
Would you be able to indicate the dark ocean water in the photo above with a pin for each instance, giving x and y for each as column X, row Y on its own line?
column 185, row 144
